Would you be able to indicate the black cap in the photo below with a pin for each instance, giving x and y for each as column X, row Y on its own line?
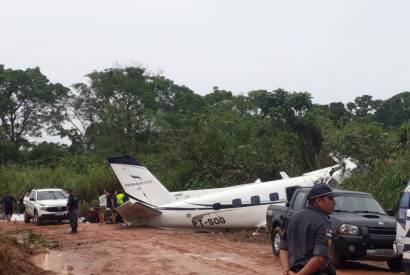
column 319, row 190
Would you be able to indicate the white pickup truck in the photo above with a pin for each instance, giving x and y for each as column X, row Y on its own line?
column 45, row 204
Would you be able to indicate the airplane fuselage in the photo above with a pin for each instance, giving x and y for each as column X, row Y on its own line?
column 151, row 204
column 237, row 206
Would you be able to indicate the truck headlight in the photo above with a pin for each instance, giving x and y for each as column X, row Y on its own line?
column 349, row 229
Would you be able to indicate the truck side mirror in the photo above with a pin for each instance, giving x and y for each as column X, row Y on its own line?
column 32, row 199
column 287, row 204
column 389, row 212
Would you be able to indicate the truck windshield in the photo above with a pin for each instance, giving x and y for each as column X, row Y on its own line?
column 50, row 195
column 348, row 203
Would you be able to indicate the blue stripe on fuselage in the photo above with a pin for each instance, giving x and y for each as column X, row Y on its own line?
column 223, row 206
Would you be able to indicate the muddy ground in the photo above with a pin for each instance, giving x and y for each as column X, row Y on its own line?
column 115, row 249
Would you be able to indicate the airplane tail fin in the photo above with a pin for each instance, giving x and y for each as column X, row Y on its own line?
column 138, row 182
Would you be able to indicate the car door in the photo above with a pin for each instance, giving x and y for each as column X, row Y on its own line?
column 31, row 203
column 299, row 202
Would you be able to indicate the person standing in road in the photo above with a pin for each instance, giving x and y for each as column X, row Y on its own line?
column 120, row 200
column 103, row 205
column 110, row 208
column 72, row 207
column 7, row 202
column 307, row 237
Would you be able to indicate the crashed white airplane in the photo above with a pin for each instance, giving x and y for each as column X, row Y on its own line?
column 240, row 206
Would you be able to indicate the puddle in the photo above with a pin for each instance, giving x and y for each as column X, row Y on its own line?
column 52, row 261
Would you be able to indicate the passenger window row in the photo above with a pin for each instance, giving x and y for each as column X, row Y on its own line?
column 255, row 200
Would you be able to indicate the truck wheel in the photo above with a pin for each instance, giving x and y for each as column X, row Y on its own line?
column 395, row 264
column 338, row 261
column 36, row 218
column 276, row 235
column 26, row 217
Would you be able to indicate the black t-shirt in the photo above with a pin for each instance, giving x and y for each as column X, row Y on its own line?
column 308, row 233
column 72, row 202
column 8, row 201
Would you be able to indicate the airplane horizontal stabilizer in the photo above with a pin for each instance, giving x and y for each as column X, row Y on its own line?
column 133, row 211
column 284, row 175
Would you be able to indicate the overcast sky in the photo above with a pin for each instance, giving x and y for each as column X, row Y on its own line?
column 336, row 50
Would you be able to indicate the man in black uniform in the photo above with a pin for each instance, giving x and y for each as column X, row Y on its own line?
column 307, row 238
column 7, row 201
column 72, row 207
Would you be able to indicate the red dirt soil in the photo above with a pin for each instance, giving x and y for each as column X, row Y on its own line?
column 114, row 249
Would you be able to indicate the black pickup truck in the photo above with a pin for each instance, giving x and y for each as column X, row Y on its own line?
column 362, row 228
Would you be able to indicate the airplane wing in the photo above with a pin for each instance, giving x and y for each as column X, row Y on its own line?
column 132, row 211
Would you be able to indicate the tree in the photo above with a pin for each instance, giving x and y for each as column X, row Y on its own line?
column 29, row 103
column 81, row 116
column 364, row 105
column 280, row 105
column 363, row 140
column 44, row 154
column 121, row 109
column 339, row 113
column 394, row 111
column 217, row 96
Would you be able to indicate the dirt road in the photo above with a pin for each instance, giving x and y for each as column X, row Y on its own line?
column 114, row 249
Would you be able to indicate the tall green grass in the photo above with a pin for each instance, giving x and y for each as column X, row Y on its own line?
column 87, row 176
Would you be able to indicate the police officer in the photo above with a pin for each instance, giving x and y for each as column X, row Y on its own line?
column 72, row 207
column 8, row 205
column 306, row 240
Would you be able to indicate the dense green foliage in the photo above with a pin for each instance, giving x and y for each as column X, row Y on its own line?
column 190, row 141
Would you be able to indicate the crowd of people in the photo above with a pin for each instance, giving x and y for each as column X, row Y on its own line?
column 107, row 203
